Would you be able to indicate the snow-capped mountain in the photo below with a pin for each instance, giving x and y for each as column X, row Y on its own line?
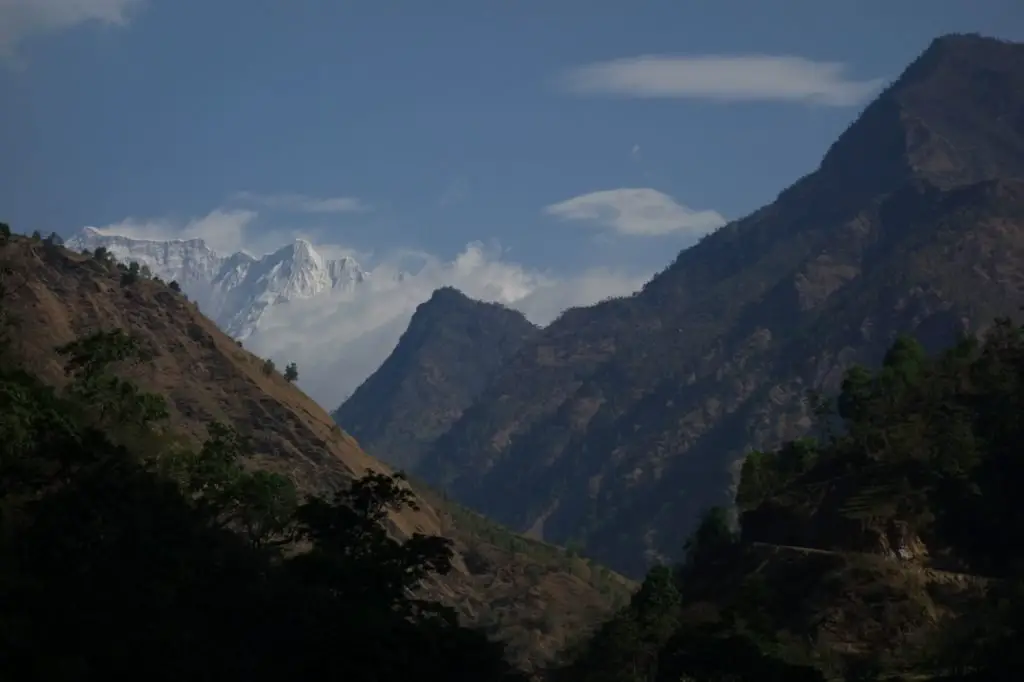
column 337, row 321
column 235, row 290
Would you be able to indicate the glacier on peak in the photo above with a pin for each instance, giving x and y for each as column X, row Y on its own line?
column 235, row 290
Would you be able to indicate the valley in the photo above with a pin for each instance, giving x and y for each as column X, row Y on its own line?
column 793, row 454
column 532, row 595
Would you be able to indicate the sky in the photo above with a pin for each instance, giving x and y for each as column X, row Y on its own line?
column 583, row 142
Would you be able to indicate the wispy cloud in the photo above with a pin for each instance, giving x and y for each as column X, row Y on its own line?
column 636, row 212
column 721, row 77
column 300, row 203
column 23, row 19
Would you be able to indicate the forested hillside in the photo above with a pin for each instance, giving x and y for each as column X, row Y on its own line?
column 886, row 545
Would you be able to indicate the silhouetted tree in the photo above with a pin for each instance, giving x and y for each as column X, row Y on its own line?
column 123, row 554
column 130, row 274
column 291, row 372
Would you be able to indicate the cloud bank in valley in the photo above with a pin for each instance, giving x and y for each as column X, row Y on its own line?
column 338, row 341
column 339, row 338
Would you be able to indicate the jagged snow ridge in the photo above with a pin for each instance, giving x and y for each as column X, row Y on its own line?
column 234, row 290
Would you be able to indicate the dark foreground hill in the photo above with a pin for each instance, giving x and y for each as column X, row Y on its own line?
column 619, row 423
column 883, row 549
column 530, row 595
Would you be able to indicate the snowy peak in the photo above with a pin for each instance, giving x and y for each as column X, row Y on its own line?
column 95, row 236
column 235, row 290
column 294, row 271
column 301, row 249
column 190, row 262
column 345, row 273
column 300, row 254
column 299, row 271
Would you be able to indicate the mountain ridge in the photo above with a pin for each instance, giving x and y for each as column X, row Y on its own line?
column 441, row 363
column 618, row 423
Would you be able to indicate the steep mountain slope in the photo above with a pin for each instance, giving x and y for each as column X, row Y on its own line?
column 442, row 362
column 619, row 423
column 530, row 595
column 59, row 296
column 874, row 552
column 235, row 290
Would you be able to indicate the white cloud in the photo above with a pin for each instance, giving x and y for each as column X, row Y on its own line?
column 300, row 203
column 22, row 19
column 636, row 212
column 722, row 77
column 339, row 340
column 224, row 231
column 549, row 300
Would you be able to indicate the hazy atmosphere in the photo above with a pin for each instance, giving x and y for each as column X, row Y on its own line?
column 544, row 155
column 521, row 341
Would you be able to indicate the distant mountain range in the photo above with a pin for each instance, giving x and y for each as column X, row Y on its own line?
column 263, row 300
column 618, row 424
column 235, row 290
column 336, row 318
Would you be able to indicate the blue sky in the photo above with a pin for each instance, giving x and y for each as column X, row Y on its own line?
column 427, row 125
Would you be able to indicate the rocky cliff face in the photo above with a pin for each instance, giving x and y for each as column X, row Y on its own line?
column 619, row 423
